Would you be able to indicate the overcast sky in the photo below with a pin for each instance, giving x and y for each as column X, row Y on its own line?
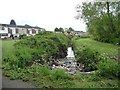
column 46, row 14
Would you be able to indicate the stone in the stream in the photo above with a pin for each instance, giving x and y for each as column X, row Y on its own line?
column 69, row 63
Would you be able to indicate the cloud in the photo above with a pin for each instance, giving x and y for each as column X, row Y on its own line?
column 44, row 13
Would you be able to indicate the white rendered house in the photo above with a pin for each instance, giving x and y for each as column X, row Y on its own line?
column 6, row 30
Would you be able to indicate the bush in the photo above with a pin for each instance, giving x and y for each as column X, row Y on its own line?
column 22, row 36
column 108, row 67
column 87, row 57
column 10, row 62
column 41, row 46
column 24, row 56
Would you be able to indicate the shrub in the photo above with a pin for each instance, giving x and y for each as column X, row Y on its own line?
column 23, row 55
column 87, row 57
column 41, row 46
column 22, row 36
column 108, row 67
column 10, row 62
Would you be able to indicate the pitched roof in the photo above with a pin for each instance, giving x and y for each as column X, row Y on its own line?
column 20, row 26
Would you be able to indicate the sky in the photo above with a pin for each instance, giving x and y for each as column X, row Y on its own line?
column 47, row 14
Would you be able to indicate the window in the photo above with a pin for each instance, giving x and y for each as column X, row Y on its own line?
column 3, row 28
column 4, row 34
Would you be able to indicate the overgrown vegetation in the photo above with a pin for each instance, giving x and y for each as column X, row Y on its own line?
column 87, row 57
column 109, row 68
column 43, row 77
column 91, row 54
column 102, row 19
column 46, row 78
column 42, row 47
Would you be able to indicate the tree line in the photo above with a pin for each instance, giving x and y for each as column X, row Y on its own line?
column 102, row 20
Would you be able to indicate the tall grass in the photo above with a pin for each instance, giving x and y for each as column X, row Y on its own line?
column 105, row 48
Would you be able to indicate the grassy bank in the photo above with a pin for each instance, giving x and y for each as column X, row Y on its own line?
column 103, row 48
column 97, row 56
column 45, row 78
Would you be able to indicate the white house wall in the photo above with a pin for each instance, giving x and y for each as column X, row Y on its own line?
column 36, row 31
column 24, row 31
column 13, row 30
column 21, row 30
column 4, row 31
column 30, row 31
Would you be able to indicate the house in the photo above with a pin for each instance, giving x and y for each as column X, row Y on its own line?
column 81, row 33
column 75, row 33
column 6, row 30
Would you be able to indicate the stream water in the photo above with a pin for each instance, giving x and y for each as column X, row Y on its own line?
column 70, row 53
column 69, row 64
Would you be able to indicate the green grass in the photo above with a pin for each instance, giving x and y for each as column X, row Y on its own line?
column 48, row 80
column 74, row 81
column 103, row 48
column 7, row 47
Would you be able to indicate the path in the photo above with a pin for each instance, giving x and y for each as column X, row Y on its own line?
column 6, row 83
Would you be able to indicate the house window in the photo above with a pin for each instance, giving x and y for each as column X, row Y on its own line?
column 28, row 32
column 16, row 30
column 3, row 28
column 9, row 30
column 33, row 31
column 4, row 34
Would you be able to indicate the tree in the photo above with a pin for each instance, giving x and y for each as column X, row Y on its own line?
column 71, row 29
column 56, row 29
column 59, row 30
column 101, row 20
column 12, row 22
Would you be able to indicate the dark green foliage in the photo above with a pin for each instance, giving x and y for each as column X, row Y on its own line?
column 10, row 62
column 41, row 47
column 59, row 30
column 87, row 57
column 22, row 36
column 43, row 77
column 108, row 67
column 71, row 29
column 102, row 20
column 94, row 59
column 23, row 55
column 83, row 36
